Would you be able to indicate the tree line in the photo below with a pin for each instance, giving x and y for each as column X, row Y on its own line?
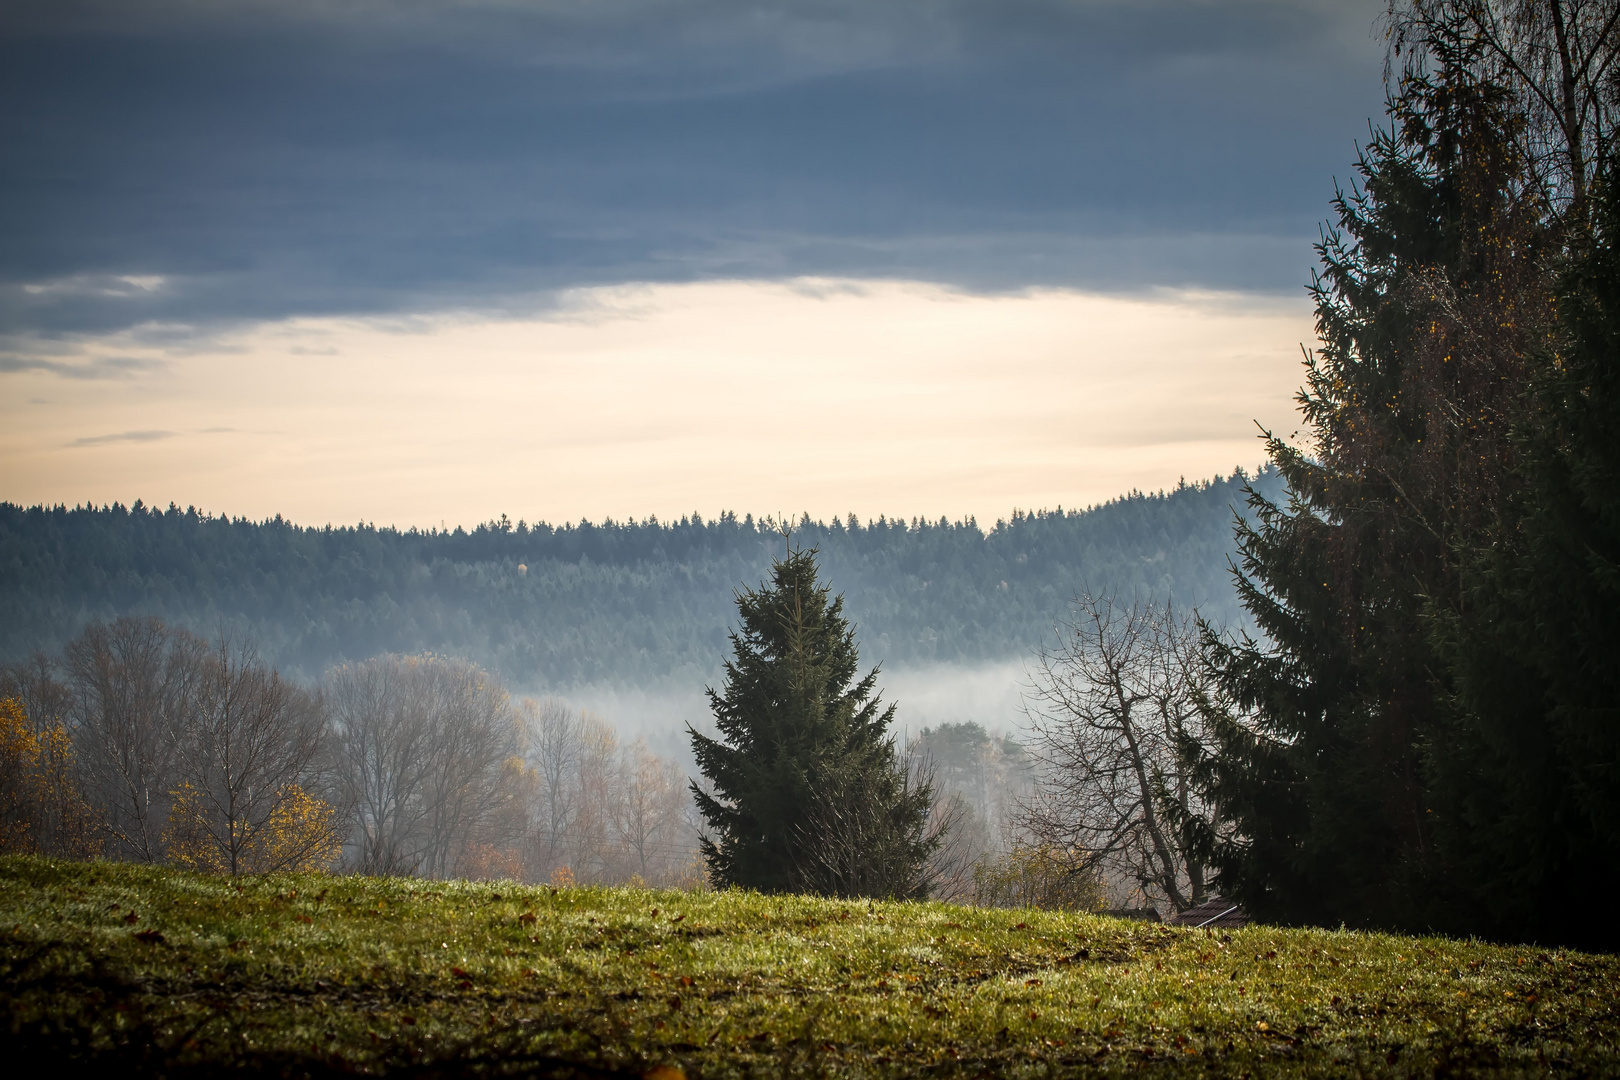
column 144, row 742
column 628, row 602
column 1421, row 728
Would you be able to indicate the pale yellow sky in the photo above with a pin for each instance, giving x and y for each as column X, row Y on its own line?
column 823, row 396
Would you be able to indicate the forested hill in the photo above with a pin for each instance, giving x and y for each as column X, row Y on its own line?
column 613, row 602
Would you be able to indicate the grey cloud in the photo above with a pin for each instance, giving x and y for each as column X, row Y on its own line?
column 185, row 163
column 99, row 367
column 122, row 436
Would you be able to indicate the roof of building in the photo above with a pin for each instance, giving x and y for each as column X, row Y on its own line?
column 1216, row 913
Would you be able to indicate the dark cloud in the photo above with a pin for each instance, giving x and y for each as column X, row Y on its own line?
column 189, row 162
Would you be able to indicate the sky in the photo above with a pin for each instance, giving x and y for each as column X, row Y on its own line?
column 432, row 261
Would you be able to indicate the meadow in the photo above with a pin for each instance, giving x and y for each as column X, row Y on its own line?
column 139, row 970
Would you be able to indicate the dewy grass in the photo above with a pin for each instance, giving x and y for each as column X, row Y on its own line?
column 147, row 970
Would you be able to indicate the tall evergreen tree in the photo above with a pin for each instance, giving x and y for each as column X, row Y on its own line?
column 1335, row 728
column 808, row 794
column 1535, row 644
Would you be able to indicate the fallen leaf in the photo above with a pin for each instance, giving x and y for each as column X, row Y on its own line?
column 527, row 918
column 151, row 937
column 664, row 1072
column 1021, row 926
column 132, row 918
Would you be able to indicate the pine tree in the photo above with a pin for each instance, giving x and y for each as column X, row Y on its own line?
column 807, row 792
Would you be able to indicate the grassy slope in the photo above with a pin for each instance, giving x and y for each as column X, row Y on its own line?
column 309, row 974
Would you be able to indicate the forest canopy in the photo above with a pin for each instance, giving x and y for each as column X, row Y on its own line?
column 622, row 602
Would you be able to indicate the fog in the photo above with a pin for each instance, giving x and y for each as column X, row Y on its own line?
column 990, row 694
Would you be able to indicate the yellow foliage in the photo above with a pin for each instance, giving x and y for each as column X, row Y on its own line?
column 486, row 862
column 563, row 878
column 299, row 835
column 41, row 808
column 19, row 750
column 185, row 836
column 1039, row 876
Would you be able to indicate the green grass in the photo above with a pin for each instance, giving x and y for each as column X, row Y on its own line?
column 130, row 969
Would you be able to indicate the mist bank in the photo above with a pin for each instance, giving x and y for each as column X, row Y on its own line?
column 990, row 694
column 595, row 609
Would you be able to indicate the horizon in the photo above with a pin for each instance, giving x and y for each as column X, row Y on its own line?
column 747, row 519
column 346, row 262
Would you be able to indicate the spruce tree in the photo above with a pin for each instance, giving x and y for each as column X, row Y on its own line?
column 807, row 792
column 1535, row 643
column 1335, row 729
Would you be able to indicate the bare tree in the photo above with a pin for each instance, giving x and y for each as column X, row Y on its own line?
column 36, row 683
column 131, row 680
column 248, row 752
column 380, row 752
column 965, row 840
column 593, row 847
column 1557, row 57
column 553, row 735
column 473, row 734
column 604, row 811
column 648, row 816
column 1112, row 705
column 424, row 750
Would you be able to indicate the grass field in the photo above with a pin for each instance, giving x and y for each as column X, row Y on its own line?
column 131, row 970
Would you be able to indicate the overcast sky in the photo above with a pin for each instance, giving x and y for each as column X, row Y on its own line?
column 433, row 192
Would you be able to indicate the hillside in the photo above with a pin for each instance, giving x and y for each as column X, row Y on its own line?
column 120, row 968
column 557, row 606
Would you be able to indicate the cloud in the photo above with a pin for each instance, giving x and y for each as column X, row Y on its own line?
column 122, row 436
column 192, row 162
column 927, row 400
column 97, row 367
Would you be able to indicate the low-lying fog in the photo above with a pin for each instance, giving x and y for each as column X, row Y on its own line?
column 990, row 694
